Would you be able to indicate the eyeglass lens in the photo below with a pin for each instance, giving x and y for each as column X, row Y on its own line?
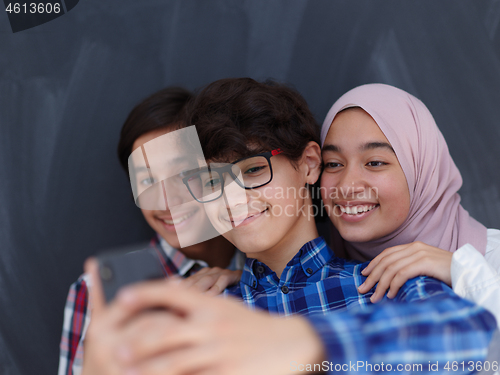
column 249, row 173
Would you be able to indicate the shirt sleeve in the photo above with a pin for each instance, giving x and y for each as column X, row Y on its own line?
column 76, row 322
column 435, row 328
column 477, row 277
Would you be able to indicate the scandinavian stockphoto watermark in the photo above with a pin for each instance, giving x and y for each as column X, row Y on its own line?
column 330, row 194
column 24, row 15
column 365, row 366
column 359, row 366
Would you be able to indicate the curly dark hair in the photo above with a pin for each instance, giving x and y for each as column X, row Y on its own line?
column 239, row 117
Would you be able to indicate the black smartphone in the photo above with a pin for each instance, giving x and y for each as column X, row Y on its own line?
column 134, row 264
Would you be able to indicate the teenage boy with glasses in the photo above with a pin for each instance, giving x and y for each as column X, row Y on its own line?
column 289, row 270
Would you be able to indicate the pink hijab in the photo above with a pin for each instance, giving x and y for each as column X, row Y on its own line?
column 436, row 216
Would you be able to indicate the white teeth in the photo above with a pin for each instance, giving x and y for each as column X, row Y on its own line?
column 354, row 210
column 179, row 220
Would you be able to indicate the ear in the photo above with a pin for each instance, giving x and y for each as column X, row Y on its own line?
column 311, row 161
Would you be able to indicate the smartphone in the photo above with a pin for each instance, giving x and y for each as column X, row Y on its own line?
column 124, row 267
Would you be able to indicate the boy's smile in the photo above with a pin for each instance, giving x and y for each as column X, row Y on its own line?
column 244, row 220
column 179, row 221
column 363, row 186
column 270, row 222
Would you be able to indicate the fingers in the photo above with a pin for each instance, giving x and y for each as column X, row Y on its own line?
column 153, row 333
column 394, row 266
column 383, row 261
column 182, row 362
column 212, row 280
column 219, row 286
column 398, row 267
column 225, row 280
column 207, row 281
column 193, row 279
column 402, row 276
column 169, row 294
column 375, row 261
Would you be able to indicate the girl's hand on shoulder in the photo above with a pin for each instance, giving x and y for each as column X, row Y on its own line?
column 212, row 281
column 395, row 265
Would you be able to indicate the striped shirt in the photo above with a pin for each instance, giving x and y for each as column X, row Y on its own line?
column 425, row 322
column 77, row 309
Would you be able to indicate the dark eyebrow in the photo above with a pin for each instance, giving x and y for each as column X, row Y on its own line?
column 365, row 147
column 330, row 147
column 374, row 145
column 179, row 159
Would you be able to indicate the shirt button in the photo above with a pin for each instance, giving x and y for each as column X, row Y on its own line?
column 309, row 271
column 260, row 269
column 254, row 283
column 284, row 289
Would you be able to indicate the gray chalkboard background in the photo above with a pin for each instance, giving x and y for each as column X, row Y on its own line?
column 66, row 87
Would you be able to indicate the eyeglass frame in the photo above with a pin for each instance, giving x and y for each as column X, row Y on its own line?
column 228, row 169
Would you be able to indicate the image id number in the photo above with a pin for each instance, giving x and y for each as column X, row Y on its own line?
column 33, row 8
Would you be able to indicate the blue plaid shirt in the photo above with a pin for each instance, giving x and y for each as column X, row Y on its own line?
column 437, row 327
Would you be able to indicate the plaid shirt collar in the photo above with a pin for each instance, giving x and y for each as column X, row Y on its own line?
column 182, row 263
column 311, row 257
column 183, row 266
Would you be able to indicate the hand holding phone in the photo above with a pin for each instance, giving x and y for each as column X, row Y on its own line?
column 118, row 269
column 108, row 272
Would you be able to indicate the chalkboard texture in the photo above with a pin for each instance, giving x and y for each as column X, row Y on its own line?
column 67, row 85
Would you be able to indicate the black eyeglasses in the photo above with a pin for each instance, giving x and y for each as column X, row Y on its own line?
column 207, row 183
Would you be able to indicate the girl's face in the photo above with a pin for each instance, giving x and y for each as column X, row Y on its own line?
column 363, row 186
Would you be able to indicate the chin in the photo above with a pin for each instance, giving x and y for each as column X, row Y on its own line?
column 243, row 246
column 354, row 238
column 356, row 235
column 246, row 246
column 171, row 239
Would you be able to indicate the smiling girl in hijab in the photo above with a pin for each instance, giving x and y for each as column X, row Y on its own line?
column 390, row 186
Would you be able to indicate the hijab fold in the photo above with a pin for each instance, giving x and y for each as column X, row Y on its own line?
column 436, row 216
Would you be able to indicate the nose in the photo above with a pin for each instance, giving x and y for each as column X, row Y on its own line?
column 173, row 194
column 235, row 195
column 351, row 182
